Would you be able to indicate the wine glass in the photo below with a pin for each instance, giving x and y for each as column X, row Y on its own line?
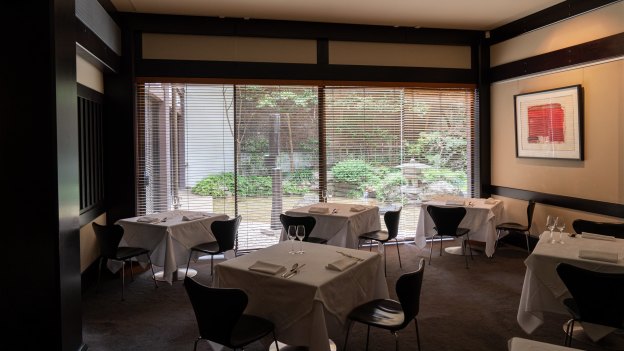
column 292, row 234
column 551, row 222
column 560, row 227
column 324, row 195
column 329, row 193
column 300, row 236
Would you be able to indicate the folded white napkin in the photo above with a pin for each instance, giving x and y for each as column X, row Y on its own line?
column 318, row 209
column 602, row 255
column 192, row 217
column 455, row 202
column 147, row 219
column 341, row 264
column 267, row 267
column 490, row 201
column 358, row 208
column 597, row 236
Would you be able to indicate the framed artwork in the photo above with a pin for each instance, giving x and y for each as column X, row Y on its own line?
column 549, row 123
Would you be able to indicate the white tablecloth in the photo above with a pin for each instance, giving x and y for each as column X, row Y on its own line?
column 521, row 344
column 543, row 291
column 481, row 218
column 170, row 241
column 341, row 227
column 312, row 306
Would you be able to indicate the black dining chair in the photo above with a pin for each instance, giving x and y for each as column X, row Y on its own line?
column 220, row 318
column 446, row 221
column 390, row 314
column 391, row 219
column 604, row 228
column 307, row 221
column 225, row 234
column 596, row 297
column 108, row 238
column 518, row 227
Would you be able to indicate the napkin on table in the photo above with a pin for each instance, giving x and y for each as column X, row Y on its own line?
column 147, row 219
column 490, row 201
column 597, row 236
column 267, row 267
column 602, row 255
column 341, row 264
column 318, row 209
column 358, row 208
column 192, row 217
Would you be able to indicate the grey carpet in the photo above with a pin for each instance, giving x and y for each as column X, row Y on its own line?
column 461, row 309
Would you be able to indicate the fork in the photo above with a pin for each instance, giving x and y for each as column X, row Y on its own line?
column 294, row 272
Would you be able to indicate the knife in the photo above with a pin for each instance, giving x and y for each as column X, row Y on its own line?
column 294, row 272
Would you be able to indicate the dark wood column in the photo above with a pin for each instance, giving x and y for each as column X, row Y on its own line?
column 39, row 158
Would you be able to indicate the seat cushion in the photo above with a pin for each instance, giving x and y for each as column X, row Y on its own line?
column 249, row 329
column 209, row 248
column 381, row 313
column 379, row 235
column 124, row 252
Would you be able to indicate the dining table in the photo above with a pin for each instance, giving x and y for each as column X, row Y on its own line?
column 309, row 307
column 543, row 290
column 482, row 216
column 169, row 236
column 340, row 223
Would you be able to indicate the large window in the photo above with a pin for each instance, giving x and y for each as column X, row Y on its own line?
column 258, row 151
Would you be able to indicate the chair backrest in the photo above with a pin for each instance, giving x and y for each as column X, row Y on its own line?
column 605, row 228
column 598, row 295
column 391, row 218
column 530, row 210
column 217, row 310
column 308, row 222
column 108, row 238
column 225, row 232
column 446, row 219
column 408, row 288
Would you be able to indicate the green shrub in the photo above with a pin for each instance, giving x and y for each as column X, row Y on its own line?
column 354, row 172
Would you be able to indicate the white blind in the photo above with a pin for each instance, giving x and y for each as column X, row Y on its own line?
column 254, row 150
column 395, row 147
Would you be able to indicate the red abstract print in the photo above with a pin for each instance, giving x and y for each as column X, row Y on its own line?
column 546, row 124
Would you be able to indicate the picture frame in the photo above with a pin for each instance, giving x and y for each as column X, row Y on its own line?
column 549, row 123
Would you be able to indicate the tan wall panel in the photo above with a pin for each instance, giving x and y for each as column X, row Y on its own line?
column 89, row 75
column 401, row 55
column 597, row 24
column 219, row 48
column 601, row 175
column 515, row 211
column 89, row 248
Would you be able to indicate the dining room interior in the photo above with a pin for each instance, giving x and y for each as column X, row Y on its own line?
column 164, row 118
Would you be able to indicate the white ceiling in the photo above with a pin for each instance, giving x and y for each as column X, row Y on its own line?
column 452, row 14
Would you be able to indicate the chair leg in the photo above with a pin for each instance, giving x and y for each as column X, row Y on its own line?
column 440, row 245
column 149, row 260
column 398, row 252
column 417, row 333
column 349, row 323
column 275, row 339
column 385, row 266
column 367, row 335
column 131, row 273
column 464, row 252
column 431, row 249
column 526, row 235
column 396, row 340
column 123, row 278
column 569, row 331
column 97, row 285
column 188, row 263
column 195, row 346
column 211, row 265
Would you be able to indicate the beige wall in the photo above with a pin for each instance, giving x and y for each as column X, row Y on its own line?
column 600, row 176
column 89, row 75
